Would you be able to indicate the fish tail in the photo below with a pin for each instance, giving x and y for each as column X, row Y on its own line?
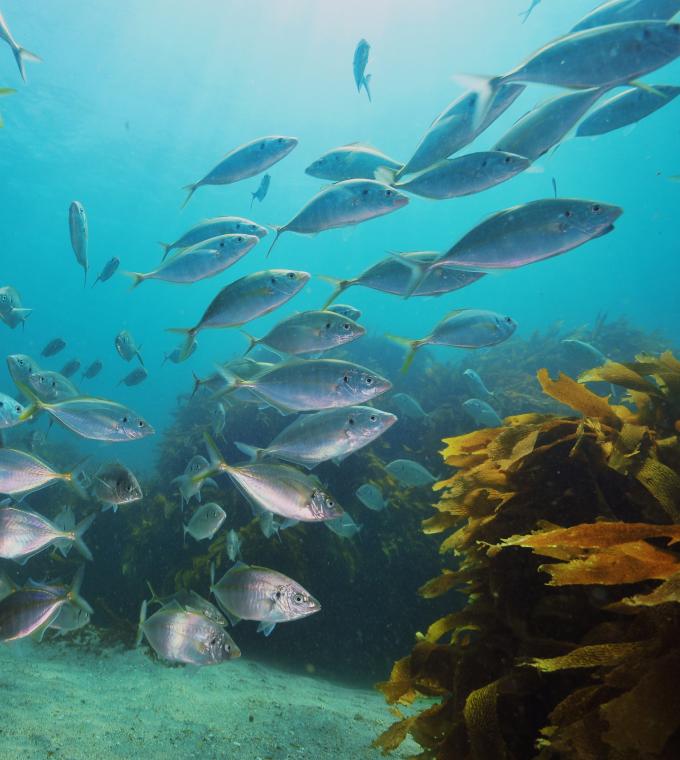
column 339, row 285
column 140, row 625
column 96, row 281
column 167, row 247
column 154, row 596
column 277, row 231
column 137, row 278
column 485, row 87
column 252, row 341
column 365, row 82
column 419, row 270
column 252, row 198
column 191, row 189
column 411, row 345
column 21, row 55
column 139, row 356
column 252, row 452
column 386, row 175
column 78, row 541
column 214, row 455
column 190, row 333
column 197, row 384
column 74, row 591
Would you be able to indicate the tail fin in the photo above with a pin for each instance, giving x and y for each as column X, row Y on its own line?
column 252, row 199
column 139, row 356
column 167, row 247
column 78, row 542
column 339, row 285
column 485, row 87
column 140, row 626
column 411, row 345
column 385, row 175
column 97, row 280
column 191, row 189
column 252, row 341
column 74, row 591
column 137, row 278
column 190, row 333
column 21, row 55
column 277, row 231
column 365, row 82
column 197, row 384
column 252, row 452
column 154, row 596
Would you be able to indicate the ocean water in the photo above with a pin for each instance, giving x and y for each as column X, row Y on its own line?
column 134, row 100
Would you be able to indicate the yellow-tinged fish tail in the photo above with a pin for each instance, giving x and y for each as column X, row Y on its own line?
column 411, row 345
column 137, row 278
column 191, row 189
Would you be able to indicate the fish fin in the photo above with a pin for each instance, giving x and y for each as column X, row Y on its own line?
column 78, row 533
column 419, row 270
column 252, row 341
column 411, row 345
column 289, row 522
column 137, row 278
column 215, row 457
column 74, row 591
column 191, row 189
column 154, row 596
column 647, row 88
column 233, row 619
column 185, row 530
column 340, row 459
column 190, row 333
column 140, row 625
column 79, row 479
column 267, row 628
column 485, row 87
column 339, row 285
column 365, row 82
column 21, row 55
column 280, row 408
column 252, row 452
column 139, row 356
column 278, row 231
column 167, row 247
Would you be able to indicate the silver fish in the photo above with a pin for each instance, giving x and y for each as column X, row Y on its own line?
column 205, row 521
column 53, row 347
column 410, row 473
column 24, row 534
column 126, row 347
column 482, row 413
column 408, row 406
column 245, row 299
column 12, row 312
column 248, row 592
column 175, row 356
column 344, row 526
column 331, row 434
column 361, row 78
column 205, row 259
column 233, row 545
column 345, row 310
column 463, row 328
column 345, row 203
column 627, row 107
column 218, row 418
column 476, row 386
column 52, row 386
column 77, row 224
column 93, row 370
column 10, row 412
column 616, row 11
column 210, row 228
column 371, row 497
column 70, row 618
column 353, row 161
column 180, row 635
column 246, row 161
column 21, row 472
column 309, row 332
column 114, row 484
column 310, row 385
column 262, row 190
column 195, row 475
column 20, row 54
column 21, row 367
column 135, row 377
column 108, row 271
column 192, row 601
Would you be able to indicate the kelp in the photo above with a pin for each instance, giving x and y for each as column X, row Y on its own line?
column 565, row 532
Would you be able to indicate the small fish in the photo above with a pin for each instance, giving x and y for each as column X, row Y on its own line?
column 371, row 497
column 525, row 14
column 215, row 227
column 93, row 370
column 70, row 618
column 410, row 473
column 463, row 328
column 245, row 299
column 191, row 601
column 234, row 544
column 344, row 526
column 175, row 356
column 10, row 412
column 476, row 386
column 353, row 161
column 108, row 271
column 70, row 368
column 345, row 310
column 262, row 190
column 408, row 406
column 29, row 611
column 20, row 54
column 218, row 419
column 52, row 386
column 308, row 332
column 248, row 592
column 12, row 312
column 53, row 347
column 619, row 11
column 482, row 413
column 114, row 484
column 77, row 223
column 359, row 63
column 21, row 473
column 24, row 534
column 126, row 347
column 205, row 521
column 246, row 161
column 343, row 204
column 585, row 351
column 181, row 635
column 196, row 474
column 135, row 377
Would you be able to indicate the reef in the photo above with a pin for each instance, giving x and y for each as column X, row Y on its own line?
column 562, row 638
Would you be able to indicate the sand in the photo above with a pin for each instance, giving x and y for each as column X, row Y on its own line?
column 70, row 702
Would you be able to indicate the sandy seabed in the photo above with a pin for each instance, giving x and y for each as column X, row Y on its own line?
column 64, row 702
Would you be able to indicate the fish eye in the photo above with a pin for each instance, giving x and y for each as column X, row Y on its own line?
column 328, row 325
column 140, row 423
column 484, row 162
column 567, row 213
column 597, row 208
column 364, row 191
column 373, row 418
column 280, row 139
column 278, row 594
column 346, row 378
column 369, row 380
column 351, row 420
column 261, row 146
column 273, row 280
column 508, row 320
column 227, row 647
column 125, row 419
column 346, row 326
column 507, row 159
column 238, row 226
column 240, row 239
column 298, row 599
column 388, row 192
column 291, row 275
column 222, row 244
column 330, row 502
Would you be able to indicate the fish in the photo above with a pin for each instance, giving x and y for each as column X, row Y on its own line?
column 108, row 271
column 24, row 534
column 246, row 161
column 215, row 227
column 10, row 412
column 21, row 367
column 371, row 497
column 218, row 417
column 353, row 161
column 196, row 474
column 585, row 351
column 12, row 312
column 205, row 259
column 395, row 275
column 475, row 385
column 464, row 175
column 52, row 386
column 456, row 127
column 71, row 617
column 29, row 611
column 21, row 55
column 245, row 299
column 278, row 488
column 175, row 356
column 343, row 204
column 205, row 521
column 248, row 592
column 192, row 601
column 77, row 224
column 21, row 473
column 322, row 436
column 70, row 368
column 525, row 14
column 66, row 521
column 183, row 635
column 53, row 347
column 545, row 126
column 308, row 332
column 617, row 11
column 262, row 190
column 482, row 413
column 627, row 107
column 345, row 310
column 233, row 545
column 344, row 526
column 135, row 377
column 410, row 473
column 310, row 385
column 408, row 406
column 359, row 63
column 126, row 347
column 114, row 484
column 93, row 370
column 462, row 328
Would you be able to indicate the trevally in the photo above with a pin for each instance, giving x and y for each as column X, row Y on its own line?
column 12, row 312
column 261, row 193
column 408, row 406
column 475, row 385
column 371, row 497
column 53, row 347
column 345, row 310
column 196, row 474
column 344, row 526
column 108, row 271
column 93, row 370
column 20, row 54
column 77, row 224
column 190, row 600
column 51, row 386
column 21, row 473
column 205, row 521
column 70, row 368
column 233, row 544
column 114, row 484
column 616, row 11
column 137, row 376
column 353, row 161
column 24, row 533
column 211, row 228
column 410, row 473
column 126, row 347
column 10, row 412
